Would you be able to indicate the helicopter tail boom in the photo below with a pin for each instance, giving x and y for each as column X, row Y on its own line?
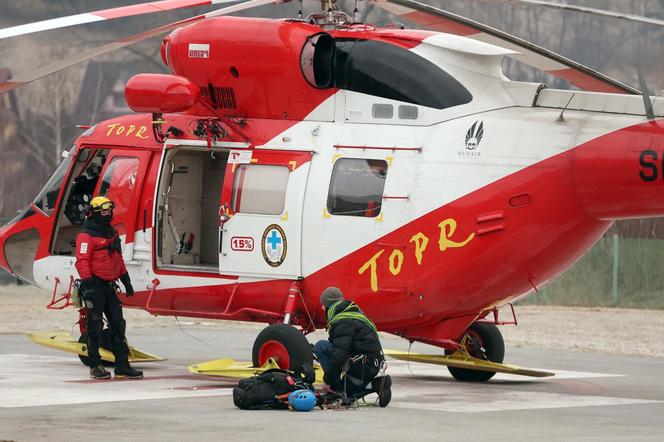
column 621, row 175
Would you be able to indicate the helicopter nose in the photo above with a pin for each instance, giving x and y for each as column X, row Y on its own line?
column 3, row 260
column 18, row 248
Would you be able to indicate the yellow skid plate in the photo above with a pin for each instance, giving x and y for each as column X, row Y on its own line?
column 234, row 369
column 66, row 342
column 464, row 360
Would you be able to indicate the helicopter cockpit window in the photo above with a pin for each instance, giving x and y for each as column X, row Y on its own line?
column 118, row 183
column 106, row 180
column 357, row 187
column 46, row 199
column 260, row 189
column 83, row 185
column 385, row 70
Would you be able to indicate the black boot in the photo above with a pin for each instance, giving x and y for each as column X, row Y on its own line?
column 383, row 386
column 125, row 371
column 99, row 372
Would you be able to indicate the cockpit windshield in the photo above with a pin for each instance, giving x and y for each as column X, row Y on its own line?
column 48, row 196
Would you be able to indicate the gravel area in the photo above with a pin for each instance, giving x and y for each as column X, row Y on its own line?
column 606, row 330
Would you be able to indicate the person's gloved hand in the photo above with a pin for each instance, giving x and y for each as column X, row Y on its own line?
column 126, row 281
column 88, row 286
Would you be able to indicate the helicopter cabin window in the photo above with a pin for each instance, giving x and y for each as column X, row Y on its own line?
column 188, row 203
column 117, row 184
column 260, row 189
column 356, row 188
column 77, row 195
column 389, row 71
column 46, row 199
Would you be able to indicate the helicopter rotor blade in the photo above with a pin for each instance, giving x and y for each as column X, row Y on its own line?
column 587, row 10
column 106, row 14
column 36, row 74
column 528, row 53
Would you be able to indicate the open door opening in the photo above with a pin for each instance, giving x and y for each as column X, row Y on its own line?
column 188, row 209
column 114, row 173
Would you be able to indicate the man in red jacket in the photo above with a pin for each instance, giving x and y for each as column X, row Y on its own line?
column 99, row 263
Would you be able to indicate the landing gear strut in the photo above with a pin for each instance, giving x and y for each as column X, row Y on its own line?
column 483, row 341
column 283, row 342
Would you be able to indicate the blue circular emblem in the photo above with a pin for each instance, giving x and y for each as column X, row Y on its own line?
column 274, row 245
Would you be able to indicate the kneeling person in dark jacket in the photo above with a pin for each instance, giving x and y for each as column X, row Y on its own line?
column 353, row 347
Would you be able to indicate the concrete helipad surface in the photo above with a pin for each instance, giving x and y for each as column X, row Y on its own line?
column 47, row 395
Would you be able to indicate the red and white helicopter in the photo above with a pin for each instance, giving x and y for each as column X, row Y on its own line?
column 281, row 157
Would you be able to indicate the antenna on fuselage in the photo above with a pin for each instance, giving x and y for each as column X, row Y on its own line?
column 647, row 104
column 326, row 5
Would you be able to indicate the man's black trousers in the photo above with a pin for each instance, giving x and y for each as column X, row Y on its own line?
column 101, row 299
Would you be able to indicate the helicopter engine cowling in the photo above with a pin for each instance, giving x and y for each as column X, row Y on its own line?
column 254, row 68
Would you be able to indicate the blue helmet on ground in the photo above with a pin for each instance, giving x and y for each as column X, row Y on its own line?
column 302, row 400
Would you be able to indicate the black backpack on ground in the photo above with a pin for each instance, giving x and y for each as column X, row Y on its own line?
column 271, row 388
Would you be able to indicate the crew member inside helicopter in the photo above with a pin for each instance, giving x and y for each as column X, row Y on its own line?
column 352, row 357
column 99, row 263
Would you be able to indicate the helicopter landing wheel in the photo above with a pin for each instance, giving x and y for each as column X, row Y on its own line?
column 106, row 343
column 483, row 341
column 283, row 342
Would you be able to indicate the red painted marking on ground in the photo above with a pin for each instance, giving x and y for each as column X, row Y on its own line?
column 203, row 387
column 580, row 387
column 189, row 377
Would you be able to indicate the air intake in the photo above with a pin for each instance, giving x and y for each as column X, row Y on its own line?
column 408, row 112
column 382, row 111
column 221, row 97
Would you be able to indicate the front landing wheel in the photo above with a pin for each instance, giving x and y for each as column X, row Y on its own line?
column 283, row 342
column 483, row 341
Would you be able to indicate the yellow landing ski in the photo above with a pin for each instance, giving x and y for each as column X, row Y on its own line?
column 461, row 359
column 234, row 369
column 66, row 342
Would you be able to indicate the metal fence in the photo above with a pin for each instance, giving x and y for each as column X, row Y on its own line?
column 617, row 271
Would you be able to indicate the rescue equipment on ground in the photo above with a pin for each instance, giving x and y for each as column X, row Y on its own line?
column 272, row 389
column 302, row 400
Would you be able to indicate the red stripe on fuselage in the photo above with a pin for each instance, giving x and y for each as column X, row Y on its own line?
column 536, row 242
